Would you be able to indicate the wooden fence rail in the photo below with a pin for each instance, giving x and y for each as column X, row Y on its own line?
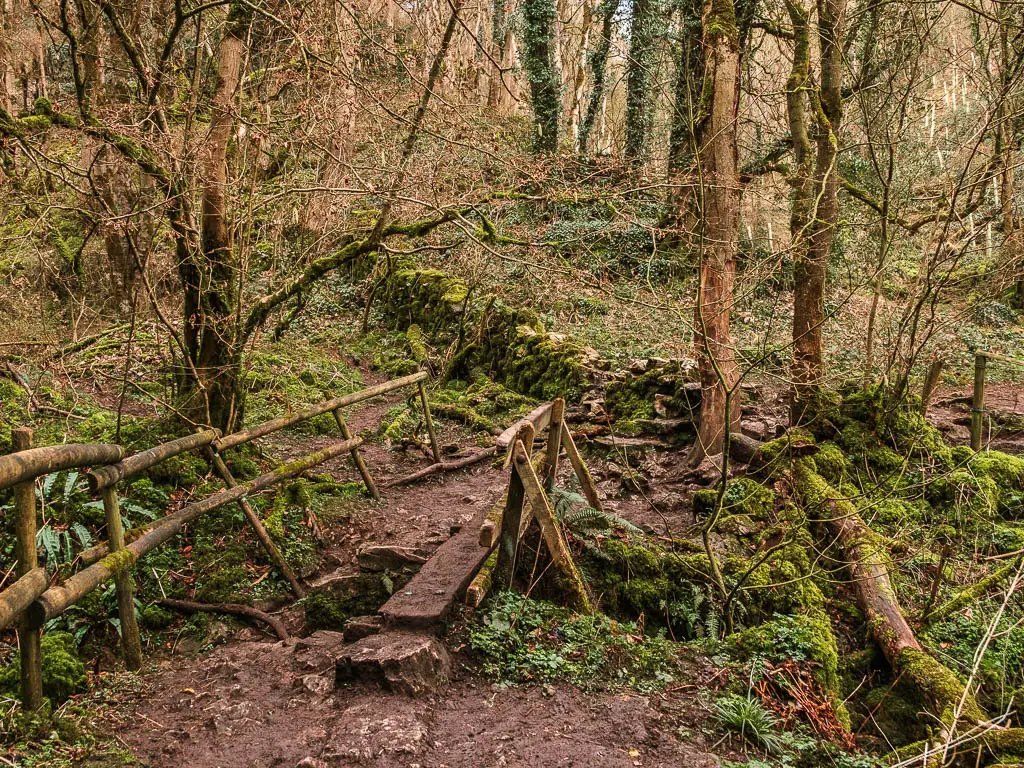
column 31, row 602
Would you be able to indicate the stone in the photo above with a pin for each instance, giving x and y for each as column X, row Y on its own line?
column 388, row 558
column 403, row 662
column 359, row 627
column 318, row 684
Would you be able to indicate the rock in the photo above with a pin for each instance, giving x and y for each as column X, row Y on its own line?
column 311, row 762
column 401, row 661
column 318, row 684
column 359, row 627
column 664, row 427
column 388, row 558
column 755, row 428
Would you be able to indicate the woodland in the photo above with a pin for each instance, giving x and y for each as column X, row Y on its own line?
column 615, row 383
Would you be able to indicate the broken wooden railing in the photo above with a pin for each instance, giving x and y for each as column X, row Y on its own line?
column 531, row 479
column 978, row 402
column 32, row 601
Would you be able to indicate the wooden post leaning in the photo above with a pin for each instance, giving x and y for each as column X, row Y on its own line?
column 131, row 643
column 586, row 481
column 978, row 405
column 550, row 529
column 554, row 446
column 357, row 457
column 257, row 525
column 511, row 518
column 430, row 422
column 29, row 637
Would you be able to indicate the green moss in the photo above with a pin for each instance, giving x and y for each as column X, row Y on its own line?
column 831, row 463
column 940, row 684
column 331, row 607
column 13, row 411
column 63, row 672
column 156, row 618
column 743, row 496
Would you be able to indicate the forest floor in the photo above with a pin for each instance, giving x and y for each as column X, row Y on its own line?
column 253, row 702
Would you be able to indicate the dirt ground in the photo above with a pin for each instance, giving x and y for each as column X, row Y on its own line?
column 251, row 702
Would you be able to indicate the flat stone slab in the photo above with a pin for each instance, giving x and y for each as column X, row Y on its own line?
column 387, row 558
column 427, row 600
column 405, row 662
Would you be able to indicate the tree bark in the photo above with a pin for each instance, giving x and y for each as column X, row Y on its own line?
column 211, row 291
column 639, row 106
column 598, row 62
column 539, row 64
column 718, row 209
column 820, row 212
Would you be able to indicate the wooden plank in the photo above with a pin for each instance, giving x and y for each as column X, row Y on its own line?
column 245, row 435
column 427, row 601
column 512, row 517
column 978, row 405
column 554, row 446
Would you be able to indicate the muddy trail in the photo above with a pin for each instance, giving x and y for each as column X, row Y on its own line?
column 254, row 702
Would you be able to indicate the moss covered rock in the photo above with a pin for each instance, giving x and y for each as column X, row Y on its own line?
column 63, row 672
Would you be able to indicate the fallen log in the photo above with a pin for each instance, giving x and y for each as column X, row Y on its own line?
column 868, row 563
column 444, row 466
column 235, row 609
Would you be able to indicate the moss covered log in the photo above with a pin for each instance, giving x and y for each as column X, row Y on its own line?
column 869, row 565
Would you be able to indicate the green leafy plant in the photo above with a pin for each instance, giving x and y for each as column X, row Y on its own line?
column 747, row 717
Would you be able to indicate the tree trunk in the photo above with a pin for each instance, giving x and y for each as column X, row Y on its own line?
column 598, row 72
column 211, row 290
column 689, row 76
column 638, row 81
column 718, row 211
column 539, row 64
column 811, row 263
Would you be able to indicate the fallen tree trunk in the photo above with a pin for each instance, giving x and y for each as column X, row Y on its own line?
column 235, row 609
column 868, row 563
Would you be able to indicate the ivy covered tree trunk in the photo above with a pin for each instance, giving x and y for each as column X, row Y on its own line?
column 538, row 61
column 639, row 104
column 210, row 277
column 816, row 209
column 718, row 213
column 689, row 77
column 598, row 64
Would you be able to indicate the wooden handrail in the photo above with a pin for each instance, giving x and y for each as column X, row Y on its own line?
column 245, row 435
column 139, row 462
column 19, row 596
column 56, row 599
column 27, row 465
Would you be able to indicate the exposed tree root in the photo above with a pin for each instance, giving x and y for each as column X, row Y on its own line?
column 444, row 466
column 189, row 606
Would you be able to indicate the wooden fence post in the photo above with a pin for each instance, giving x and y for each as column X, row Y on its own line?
column 511, row 519
column 554, row 446
column 257, row 525
column 29, row 637
column 978, row 407
column 357, row 457
column 589, row 489
column 430, row 423
column 930, row 383
column 130, row 641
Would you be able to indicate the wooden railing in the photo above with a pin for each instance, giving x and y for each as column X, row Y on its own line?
column 31, row 601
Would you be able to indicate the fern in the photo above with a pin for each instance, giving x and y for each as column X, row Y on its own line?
column 84, row 537
column 48, row 540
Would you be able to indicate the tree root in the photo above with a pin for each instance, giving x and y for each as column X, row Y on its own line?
column 189, row 606
column 444, row 466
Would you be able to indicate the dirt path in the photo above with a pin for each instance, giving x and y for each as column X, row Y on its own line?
column 261, row 704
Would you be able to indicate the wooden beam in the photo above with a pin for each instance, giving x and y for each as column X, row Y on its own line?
column 29, row 637
column 538, row 418
column 245, row 435
column 573, row 454
column 512, row 516
column 17, row 597
column 139, row 462
column 28, row 464
column 130, row 641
